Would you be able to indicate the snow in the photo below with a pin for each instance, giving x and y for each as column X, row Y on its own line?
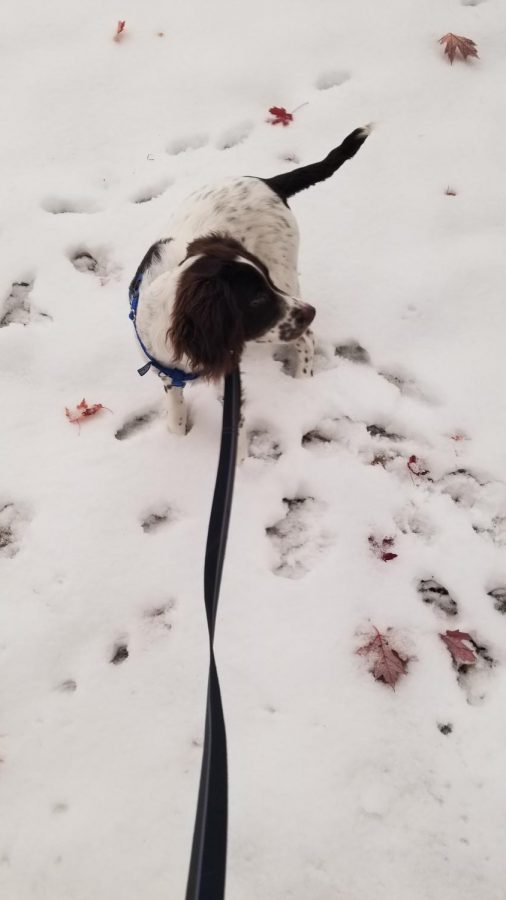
column 340, row 787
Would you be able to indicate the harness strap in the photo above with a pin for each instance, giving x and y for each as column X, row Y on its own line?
column 178, row 377
column 206, row 877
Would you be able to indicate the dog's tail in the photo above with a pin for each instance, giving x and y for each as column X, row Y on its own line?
column 291, row 183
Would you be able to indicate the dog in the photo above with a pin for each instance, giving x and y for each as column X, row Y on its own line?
column 226, row 274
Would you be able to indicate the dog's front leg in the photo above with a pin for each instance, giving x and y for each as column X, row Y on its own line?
column 175, row 407
column 304, row 347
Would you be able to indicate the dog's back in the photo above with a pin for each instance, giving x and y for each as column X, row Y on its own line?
column 248, row 210
column 252, row 210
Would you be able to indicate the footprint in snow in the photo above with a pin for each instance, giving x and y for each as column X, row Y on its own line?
column 68, row 686
column 94, row 263
column 119, row 654
column 411, row 521
column 17, row 308
column 190, row 142
column 136, row 423
column 323, row 435
column 463, row 486
column 235, row 135
column 473, row 674
column 161, row 614
column 263, row 446
column 330, row 78
column 378, row 431
column 57, row 206
column 59, row 808
column 495, row 531
column 289, row 157
column 409, row 387
column 325, row 355
column 12, row 524
column 445, row 727
column 353, row 351
column 150, row 192
column 499, row 597
column 484, row 500
column 373, row 444
column 434, row 594
column 157, row 519
column 298, row 537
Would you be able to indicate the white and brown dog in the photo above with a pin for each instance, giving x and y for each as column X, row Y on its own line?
column 226, row 274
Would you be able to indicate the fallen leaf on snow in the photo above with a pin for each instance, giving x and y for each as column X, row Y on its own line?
column 417, row 466
column 455, row 43
column 460, row 652
column 83, row 411
column 387, row 664
column 120, row 28
column 280, row 116
column 380, row 548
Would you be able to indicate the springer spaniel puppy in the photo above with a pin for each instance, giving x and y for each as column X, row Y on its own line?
column 224, row 275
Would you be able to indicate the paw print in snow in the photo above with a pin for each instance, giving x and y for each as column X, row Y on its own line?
column 298, row 538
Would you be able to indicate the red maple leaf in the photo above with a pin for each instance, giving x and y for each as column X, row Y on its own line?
column 281, row 116
column 455, row 43
column 460, row 653
column 380, row 548
column 83, row 411
column 119, row 29
column 416, row 466
column 387, row 664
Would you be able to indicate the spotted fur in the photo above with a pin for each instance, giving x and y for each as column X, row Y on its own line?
column 226, row 273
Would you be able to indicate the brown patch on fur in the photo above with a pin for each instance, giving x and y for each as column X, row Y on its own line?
column 212, row 318
column 223, row 246
column 206, row 325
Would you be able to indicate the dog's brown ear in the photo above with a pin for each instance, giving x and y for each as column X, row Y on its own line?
column 206, row 325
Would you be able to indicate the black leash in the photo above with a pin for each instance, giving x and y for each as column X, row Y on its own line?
column 208, row 863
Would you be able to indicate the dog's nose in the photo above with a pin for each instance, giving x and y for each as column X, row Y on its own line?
column 304, row 315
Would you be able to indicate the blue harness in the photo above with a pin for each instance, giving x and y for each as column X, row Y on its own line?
column 178, row 376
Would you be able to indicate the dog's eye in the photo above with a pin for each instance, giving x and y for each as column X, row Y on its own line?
column 259, row 300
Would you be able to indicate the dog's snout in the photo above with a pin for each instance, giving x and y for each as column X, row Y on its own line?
column 304, row 315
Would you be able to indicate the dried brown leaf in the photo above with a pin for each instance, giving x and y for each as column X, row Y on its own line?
column 455, row 43
column 460, row 652
column 387, row 664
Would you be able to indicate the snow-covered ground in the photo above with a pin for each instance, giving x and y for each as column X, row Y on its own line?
column 341, row 788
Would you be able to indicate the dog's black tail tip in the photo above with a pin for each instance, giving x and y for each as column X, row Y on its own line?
column 354, row 141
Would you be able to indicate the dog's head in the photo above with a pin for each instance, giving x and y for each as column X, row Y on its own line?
column 225, row 297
